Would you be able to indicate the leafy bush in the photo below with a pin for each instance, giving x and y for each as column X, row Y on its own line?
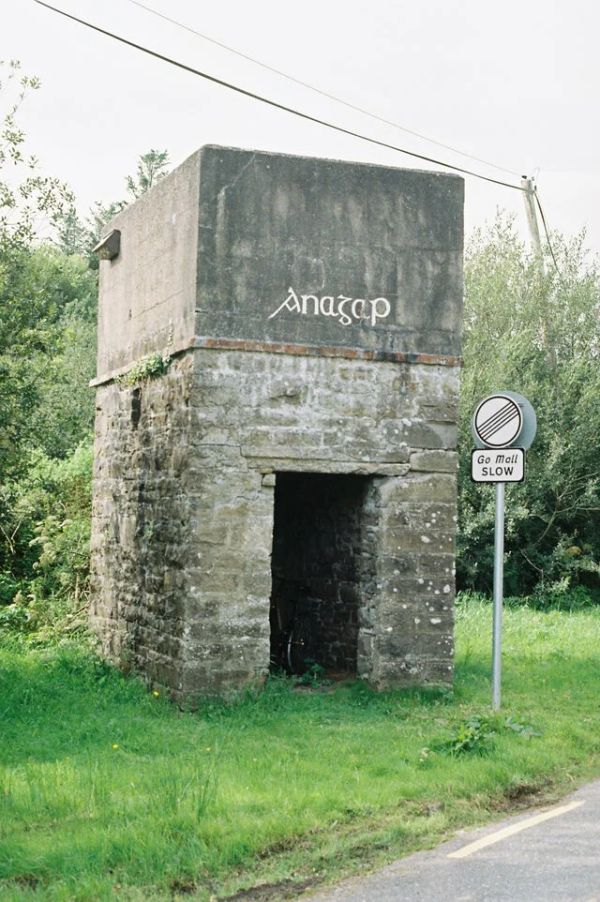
column 472, row 736
column 149, row 367
column 48, row 516
column 537, row 333
column 48, row 300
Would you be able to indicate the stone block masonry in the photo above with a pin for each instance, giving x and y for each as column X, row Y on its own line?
column 285, row 457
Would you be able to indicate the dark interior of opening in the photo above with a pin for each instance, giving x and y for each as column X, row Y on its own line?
column 320, row 571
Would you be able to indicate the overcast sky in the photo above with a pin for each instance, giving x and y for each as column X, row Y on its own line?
column 515, row 83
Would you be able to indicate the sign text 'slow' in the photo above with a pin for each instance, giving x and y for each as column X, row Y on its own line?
column 490, row 465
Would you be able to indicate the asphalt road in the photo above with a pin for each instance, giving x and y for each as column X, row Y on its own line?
column 526, row 858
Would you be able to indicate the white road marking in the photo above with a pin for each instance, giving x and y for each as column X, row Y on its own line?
column 514, row 828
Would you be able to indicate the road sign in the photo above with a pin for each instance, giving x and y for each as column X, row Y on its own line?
column 498, row 421
column 525, row 436
column 498, row 465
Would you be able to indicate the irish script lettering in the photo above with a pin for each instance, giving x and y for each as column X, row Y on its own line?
column 345, row 310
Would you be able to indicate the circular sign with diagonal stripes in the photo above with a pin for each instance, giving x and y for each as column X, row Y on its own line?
column 498, row 421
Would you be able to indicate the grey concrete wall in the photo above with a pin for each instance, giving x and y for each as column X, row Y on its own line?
column 148, row 292
column 274, row 248
column 329, row 230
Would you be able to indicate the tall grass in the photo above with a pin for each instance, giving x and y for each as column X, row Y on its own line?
column 109, row 792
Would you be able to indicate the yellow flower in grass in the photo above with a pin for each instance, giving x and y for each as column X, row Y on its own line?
column 115, row 745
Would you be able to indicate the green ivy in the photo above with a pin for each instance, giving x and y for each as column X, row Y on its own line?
column 149, row 367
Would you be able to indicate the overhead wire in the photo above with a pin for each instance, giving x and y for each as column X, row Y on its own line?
column 275, row 104
column 316, row 90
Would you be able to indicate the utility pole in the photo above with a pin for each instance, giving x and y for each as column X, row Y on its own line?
column 528, row 187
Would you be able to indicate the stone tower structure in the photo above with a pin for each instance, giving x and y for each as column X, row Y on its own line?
column 276, row 421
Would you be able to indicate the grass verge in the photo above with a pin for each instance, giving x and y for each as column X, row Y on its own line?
column 108, row 792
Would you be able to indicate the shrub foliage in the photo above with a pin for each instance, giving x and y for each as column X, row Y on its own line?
column 536, row 331
column 527, row 327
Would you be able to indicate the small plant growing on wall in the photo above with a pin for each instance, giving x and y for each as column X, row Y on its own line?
column 149, row 367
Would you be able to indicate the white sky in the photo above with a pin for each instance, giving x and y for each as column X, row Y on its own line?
column 516, row 83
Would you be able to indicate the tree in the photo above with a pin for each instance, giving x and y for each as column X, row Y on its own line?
column 29, row 304
column 536, row 332
column 28, row 201
column 48, row 299
column 77, row 237
column 151, row 168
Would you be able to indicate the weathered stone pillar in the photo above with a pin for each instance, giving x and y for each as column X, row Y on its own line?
column 226, row 636
column 410, row 636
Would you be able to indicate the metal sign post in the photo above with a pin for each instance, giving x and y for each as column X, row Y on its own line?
column 500, row 423
column 498, row 597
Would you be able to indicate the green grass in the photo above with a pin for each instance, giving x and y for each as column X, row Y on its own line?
column 107, row 792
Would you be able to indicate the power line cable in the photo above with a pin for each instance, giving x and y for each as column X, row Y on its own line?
column 310, row 87
column 275, row 104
